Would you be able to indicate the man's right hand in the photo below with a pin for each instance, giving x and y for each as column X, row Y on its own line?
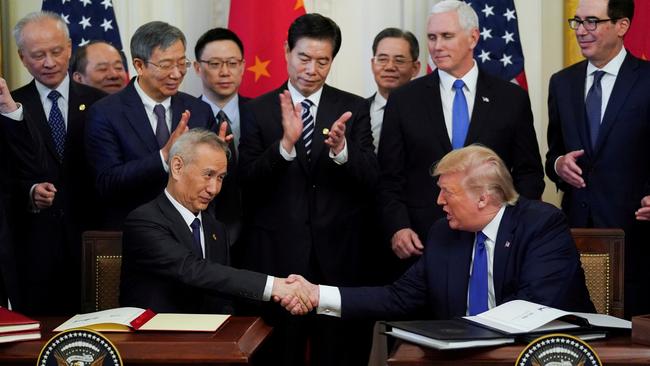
column 43, row 195
column 406, row 243
column 567, row 168
column 7, row 103
column 178, row 132
column 291, row 122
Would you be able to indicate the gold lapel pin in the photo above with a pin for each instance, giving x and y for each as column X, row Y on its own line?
column 82, row 107
column 214, row 236
column 326, row 131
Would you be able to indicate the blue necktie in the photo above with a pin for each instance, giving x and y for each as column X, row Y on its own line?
column 478, row 281
column 307, row 124
column 162, row 131
column 459, row 117
column 593, row 107
column 196, row 233
column 57, row 124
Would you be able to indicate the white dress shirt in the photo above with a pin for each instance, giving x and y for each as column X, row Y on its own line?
column 297, row 98
column 189, row 217
column 447, row 94
column 149, row 105
column 377, row 108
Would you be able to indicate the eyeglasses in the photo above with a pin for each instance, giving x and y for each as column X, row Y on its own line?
column 168, row 66
column 589, row 24
column 384, row 60
column 216, row 64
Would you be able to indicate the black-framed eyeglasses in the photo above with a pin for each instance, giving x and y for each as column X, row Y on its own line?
column 397, row 61
column 216, row 64
column 168, row 66
column 589, row 24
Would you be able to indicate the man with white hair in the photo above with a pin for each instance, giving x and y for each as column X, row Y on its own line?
column 493, row 247
column 454, row 106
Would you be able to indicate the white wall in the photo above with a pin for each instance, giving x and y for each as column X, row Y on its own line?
column 540, row 27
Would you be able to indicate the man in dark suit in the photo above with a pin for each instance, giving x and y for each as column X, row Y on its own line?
column 598, row 123
column 52, row 187
column 130, row 133
column 428, row 117
column 305, row 182
column 394, row 63
column 493, row 247
column 175, row 254
column 220, row 65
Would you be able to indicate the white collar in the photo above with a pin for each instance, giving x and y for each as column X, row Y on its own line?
column 230, row 109
column 187, row 215
column 63, row 89
column 492, row 228
column 296, row 97
column 470, row 79
column 147, row 100
column 612, row 67
column 379, row 102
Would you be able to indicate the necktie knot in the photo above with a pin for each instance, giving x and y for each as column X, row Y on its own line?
column 196, row 236
column 54, row 96
column 222, row 117
column 458, row 85
column 480, row 239
column 306, row 104
column 196, row 224
column 159, row 111
column 598, row 75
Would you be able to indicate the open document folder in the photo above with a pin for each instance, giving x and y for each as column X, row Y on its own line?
column 128, row 319
column 503, row 324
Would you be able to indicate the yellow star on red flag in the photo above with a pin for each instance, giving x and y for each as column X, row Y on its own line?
column 260, row 68
column 299, row 4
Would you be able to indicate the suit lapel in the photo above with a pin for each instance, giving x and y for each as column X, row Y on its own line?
column 178, row 226
column 136, row 116
column 433, row 104
column 482, row 109
column 577, row 94
column 36, row 112
column 460, row 253
column 502, row 250
column 627, row 77
column 216, row 246
column 327, row 108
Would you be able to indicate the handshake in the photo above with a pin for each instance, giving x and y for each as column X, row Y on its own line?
column 295, row 294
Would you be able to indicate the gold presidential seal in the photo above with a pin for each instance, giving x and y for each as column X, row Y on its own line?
column 79, row 347
column 558, row 350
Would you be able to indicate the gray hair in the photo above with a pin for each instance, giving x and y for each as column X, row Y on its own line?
column 154, row 34
column 466, row 15
column 35, row 17
column 185, row 146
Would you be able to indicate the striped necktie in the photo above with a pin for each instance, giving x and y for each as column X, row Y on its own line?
column 307, row 124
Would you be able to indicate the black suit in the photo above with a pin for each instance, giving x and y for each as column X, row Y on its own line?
column 162, row 272
column 124, row 153
column 414, row 137
column 616, row 171
column 48, row 242
column 304, row 216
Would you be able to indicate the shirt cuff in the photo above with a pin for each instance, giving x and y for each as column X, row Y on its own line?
column 288, row 156
column 32, row 204
column 342, row 157
column 555, row 165
column 329, row 302
column 164, row 163
column 16, row 115
column 268, row 288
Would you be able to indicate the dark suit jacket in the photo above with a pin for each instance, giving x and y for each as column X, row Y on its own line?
column 227, row 205
column 124, row 153
column 48, row 256
column 535, row 259
column 305, row 216
column 617, row 170
column 162, row 272
column 414, row 137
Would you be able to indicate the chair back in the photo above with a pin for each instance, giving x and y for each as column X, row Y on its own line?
column 101, row 269
column 602, row 253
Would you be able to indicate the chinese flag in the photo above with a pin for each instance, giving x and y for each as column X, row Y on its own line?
column 262, row 26
column 636, row 39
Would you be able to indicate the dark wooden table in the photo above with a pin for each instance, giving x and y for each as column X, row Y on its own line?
column 233, row 344
column 616, row 351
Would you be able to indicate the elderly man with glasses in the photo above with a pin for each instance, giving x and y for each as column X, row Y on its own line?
column 597, row 137
column 129, row 133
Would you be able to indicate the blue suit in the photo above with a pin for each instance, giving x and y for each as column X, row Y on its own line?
column 535, row 259
column 616, row 171
column 123, row 151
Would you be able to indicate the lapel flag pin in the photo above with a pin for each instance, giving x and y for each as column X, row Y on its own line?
column 486, row 99
column 82, row 107
column 507, row 245
column 214, row 236
column 326, row 131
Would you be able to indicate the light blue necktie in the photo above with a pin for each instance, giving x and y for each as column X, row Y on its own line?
column 593, row 107
column 307, row 124
column 459, row 117
column 478, row 281
column 57, row 124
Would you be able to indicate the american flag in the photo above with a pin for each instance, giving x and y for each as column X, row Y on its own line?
column 87, row 20
column 498, row 51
